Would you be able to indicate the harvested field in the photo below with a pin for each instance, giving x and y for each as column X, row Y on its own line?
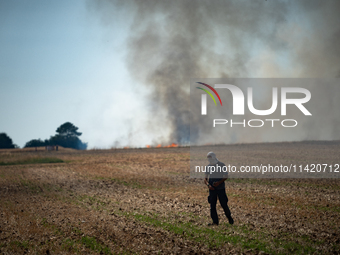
column 142, row 201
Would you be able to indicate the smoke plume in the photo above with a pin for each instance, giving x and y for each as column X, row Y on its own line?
column 171, row 42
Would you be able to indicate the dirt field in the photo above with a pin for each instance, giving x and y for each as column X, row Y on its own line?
column 142, row 201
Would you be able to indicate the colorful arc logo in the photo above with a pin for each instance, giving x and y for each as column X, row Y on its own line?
column 208, row 92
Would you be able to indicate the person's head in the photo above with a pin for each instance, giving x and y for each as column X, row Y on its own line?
column 212, row 158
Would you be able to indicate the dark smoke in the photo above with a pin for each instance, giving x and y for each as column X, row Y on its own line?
column 171, row 42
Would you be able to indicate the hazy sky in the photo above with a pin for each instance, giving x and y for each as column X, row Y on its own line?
column 59, row 63
column 120, row 70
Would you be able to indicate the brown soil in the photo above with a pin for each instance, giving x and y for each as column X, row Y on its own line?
column 142, row 201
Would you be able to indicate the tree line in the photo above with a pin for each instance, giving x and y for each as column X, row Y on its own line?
column 67, row 136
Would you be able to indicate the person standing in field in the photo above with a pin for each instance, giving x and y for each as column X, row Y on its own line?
column 215, row 182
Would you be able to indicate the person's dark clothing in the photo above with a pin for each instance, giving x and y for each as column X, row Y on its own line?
column 217, row 175
column 218, row 192
column 222, row 196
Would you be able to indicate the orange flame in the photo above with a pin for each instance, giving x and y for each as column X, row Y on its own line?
column 171, row 145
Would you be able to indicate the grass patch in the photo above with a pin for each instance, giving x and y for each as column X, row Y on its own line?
column 241, row 236
column 132, row 184
column 76, row 243
column 31, row 186
column 23, row 245
column 32, row 161
column 135, row 185
column 69, row 245
column 211, row 236
column 91, row 243
column 36, row 187
column 236, row 235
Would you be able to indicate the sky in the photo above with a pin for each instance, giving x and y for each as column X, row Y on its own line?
column 58, row 63
column 120, row 70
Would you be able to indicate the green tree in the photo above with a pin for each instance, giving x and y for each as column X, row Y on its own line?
column 68, row 137
column 35, row 143
column 6, row 142
column 68, row 130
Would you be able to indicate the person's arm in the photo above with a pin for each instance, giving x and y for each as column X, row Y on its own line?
column 219, row 182
column 207, row 183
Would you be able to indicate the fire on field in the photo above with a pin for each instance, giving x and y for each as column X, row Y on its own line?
column 126, row 201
